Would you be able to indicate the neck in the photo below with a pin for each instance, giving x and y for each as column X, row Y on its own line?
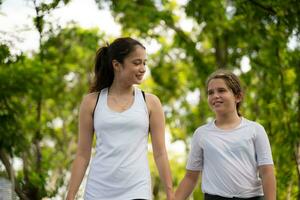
column 119, row 89
column 228, row 120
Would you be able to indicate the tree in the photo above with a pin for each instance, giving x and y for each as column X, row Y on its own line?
column 40, row 96
column 65, row 74
column 13, row 87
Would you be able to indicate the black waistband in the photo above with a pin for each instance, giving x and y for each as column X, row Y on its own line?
column 216, row 197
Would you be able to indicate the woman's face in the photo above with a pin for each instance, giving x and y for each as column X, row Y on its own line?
column 220, row 97
column 133, row 68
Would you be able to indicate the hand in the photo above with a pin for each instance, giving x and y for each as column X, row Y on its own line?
column 70, row 197
column 171, row 196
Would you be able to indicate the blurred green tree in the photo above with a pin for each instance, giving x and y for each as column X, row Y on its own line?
column 39, row 100
column 62, row 77
column 40, row 94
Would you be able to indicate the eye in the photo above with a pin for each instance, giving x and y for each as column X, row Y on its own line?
column 222, row 90
column 137, row 62
column 210, row 92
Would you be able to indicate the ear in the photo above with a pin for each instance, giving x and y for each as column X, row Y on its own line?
column 239, row 98
column 116, row 65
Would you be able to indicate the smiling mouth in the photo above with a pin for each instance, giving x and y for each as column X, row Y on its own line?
column 140, row 76
column 217, row 103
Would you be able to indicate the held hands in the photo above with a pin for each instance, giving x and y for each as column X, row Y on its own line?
column 171, row 196
column 70, row 197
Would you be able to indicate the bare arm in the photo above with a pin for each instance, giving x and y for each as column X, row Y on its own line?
column 85, row 140
column 268, row 180
column 157, row 130
column 187, row 185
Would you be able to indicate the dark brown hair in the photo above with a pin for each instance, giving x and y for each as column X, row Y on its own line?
column 103, row 69
column 231, row 81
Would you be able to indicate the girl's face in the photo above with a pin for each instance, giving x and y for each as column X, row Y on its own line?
column 132, row 70
column 221, row 98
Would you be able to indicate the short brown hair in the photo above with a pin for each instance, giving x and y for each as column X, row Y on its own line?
column 231, row 81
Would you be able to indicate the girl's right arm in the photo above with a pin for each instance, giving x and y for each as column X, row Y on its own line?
column 86, row 132
column 268, row 181
column 187, row 185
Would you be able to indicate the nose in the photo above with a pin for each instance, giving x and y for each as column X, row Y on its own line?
column 142, row 68
column 216, row 95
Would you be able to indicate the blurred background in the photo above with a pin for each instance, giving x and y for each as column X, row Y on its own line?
column 47, row 50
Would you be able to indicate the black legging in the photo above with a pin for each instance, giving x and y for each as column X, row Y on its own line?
column 216, row 197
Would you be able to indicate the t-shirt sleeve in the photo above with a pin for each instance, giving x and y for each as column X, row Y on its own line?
column 195, row 159
column 262, row 147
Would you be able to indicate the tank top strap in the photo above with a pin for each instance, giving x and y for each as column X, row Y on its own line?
column 103, row 96
column 101, row 99
column 138, row 95
column 141, row 101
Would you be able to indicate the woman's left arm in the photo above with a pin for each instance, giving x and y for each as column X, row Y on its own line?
column 268, row 181
column 157, row 131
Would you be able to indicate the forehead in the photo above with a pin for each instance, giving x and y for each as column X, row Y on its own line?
column 216, row 83
column 138, row 52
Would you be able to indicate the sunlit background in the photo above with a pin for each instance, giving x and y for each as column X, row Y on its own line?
column 258, row 41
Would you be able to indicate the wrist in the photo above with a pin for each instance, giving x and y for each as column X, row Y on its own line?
column 170, row 193
column 70, row 197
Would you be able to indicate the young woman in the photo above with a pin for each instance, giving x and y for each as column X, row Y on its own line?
column 231, row 153
column 121, row 116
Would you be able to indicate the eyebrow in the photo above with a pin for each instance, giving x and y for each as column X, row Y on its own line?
column 217, row 88
column 139, row 59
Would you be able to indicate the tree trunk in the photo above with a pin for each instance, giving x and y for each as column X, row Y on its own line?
column 220, row 51
column 4, row 157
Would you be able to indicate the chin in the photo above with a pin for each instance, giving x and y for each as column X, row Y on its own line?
column 219, row 111
column 138, row 82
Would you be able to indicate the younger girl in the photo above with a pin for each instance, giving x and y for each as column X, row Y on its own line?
column 232, row 153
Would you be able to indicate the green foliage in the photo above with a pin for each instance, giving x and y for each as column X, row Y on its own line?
column 61, row 78
column 13, row 86
column 67, row 61
column 40, row 95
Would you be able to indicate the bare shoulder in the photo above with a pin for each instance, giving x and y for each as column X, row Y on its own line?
column 153, row 102
column 89, row 101
column 90, row 98
column 152, row 99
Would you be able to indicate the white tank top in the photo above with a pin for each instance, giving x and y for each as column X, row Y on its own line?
column 119, row 169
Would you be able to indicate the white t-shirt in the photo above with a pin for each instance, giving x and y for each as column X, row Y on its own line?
column 120, row 170
column 229, row 159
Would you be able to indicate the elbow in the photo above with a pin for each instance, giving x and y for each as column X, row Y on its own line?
column 84, row 156
column 192, row 177
column 159, row 155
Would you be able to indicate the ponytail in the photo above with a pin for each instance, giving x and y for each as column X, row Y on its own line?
column 103, row 70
